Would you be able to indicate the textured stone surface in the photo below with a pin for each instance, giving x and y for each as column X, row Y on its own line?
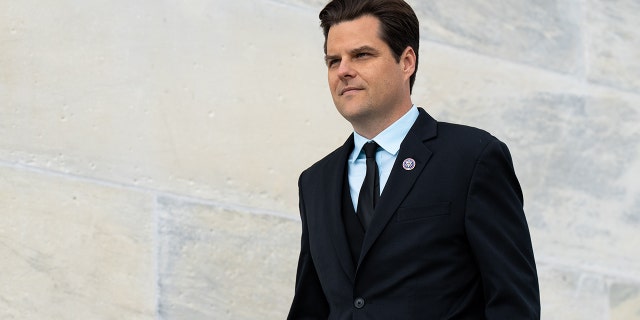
column 613, row 50
column 315, row 5
column 73, row 249
column 625, row 302
column 572, row 295
column 542, row 33
column 575, row 149
column 174, row 96
column 458, row 86
column 546, row 34
column 585, row 206
column 224, row 264
column 216, row 106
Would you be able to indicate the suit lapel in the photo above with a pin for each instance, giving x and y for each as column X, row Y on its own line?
column 335, row 181
column 400, row 180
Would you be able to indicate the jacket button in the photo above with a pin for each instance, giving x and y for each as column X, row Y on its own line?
column 358, row 303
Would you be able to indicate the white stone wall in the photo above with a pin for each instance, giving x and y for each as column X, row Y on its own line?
column 149, row 150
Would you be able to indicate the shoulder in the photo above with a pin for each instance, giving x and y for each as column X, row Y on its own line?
column 463, row 133
column 464, row 138
column 329, row 163
column 474, row 145
column 450, row 136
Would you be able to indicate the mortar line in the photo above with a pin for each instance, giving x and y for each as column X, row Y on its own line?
column 553, row 261
column 151, row 191
column 578, row 78
column 303, row 6
column 156, row 257
column 608, row 273
column 582, row 76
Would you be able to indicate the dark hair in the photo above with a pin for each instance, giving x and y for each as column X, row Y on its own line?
column 399, row 27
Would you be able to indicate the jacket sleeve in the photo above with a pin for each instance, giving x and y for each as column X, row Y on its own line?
column 309, row 301
column 499, row 237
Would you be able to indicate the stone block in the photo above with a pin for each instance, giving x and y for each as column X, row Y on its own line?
column 218, row 263
column 572, row 295
column 624, row 300
column 583, row 185
column 612, row 30
column 460, row 86
column 74, row 250
column 210, row 99
column 545, row 34
column 576, row 150
column 314, row 5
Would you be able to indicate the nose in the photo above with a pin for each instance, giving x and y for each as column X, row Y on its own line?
column 345, row 70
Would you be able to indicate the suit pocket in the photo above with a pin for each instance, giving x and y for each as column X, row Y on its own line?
column 422, row 212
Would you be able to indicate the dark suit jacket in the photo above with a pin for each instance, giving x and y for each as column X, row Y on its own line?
column 448, row 240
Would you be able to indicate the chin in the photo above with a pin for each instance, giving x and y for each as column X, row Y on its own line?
column 352, row 108
column 353, row 114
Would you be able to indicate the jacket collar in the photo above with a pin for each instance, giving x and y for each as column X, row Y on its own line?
column 401, row 180
column 399, row 183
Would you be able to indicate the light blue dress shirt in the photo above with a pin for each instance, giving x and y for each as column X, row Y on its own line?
column 389, row 141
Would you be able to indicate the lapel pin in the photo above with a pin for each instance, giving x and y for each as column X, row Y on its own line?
column 408, row 164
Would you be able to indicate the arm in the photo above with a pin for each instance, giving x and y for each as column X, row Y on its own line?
column 499, row 237
column 309, row 301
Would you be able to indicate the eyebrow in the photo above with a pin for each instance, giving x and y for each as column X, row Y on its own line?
column 355, row 51
column 363, row 49
column 328, row 58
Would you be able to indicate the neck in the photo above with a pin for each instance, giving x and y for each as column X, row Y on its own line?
column 370, row 128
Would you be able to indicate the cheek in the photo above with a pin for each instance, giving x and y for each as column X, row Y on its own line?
column 384, row 90
column 332, row 80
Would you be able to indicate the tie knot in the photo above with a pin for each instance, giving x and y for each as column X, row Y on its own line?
column 370, row 149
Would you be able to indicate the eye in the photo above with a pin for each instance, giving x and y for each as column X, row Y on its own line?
column 362, row 54
column 332, row 62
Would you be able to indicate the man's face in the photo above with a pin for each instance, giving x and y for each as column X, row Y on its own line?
column 367, row 84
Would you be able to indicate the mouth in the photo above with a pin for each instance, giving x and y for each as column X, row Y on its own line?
column 349, row 89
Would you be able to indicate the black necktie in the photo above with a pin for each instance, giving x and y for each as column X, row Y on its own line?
column 370, row 191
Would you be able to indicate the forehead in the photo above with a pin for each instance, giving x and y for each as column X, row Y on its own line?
column 355, row 33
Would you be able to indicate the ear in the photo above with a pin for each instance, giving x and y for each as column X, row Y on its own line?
column 408, row 62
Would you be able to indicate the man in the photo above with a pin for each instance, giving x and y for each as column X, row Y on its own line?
column 411, row 218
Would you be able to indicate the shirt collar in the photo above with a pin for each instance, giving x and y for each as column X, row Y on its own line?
column 390, row 138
